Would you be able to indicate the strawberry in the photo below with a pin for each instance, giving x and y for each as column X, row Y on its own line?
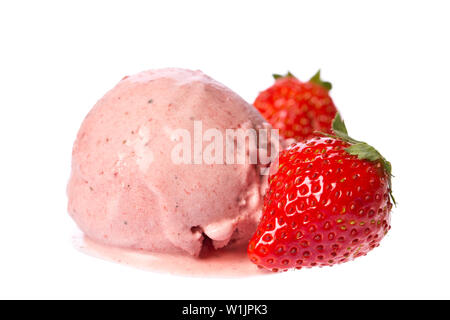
column 297, row 108
column 329, row 202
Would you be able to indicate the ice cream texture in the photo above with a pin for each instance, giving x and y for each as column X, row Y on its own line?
column 126, row 191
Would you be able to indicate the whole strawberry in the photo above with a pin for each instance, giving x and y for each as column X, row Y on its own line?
column 329, row 202
column 296, row 108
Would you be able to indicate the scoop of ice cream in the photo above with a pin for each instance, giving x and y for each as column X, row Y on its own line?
column 126, row 189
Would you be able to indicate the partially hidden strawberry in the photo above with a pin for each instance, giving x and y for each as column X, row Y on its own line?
column 328, row 202
column 297, row 108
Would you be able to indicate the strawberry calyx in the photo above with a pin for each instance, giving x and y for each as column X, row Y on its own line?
column 363, row 150
column 277, row 76
column 317, row 80
column 314, row 79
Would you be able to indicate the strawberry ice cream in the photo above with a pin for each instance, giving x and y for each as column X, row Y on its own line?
column 125, row 189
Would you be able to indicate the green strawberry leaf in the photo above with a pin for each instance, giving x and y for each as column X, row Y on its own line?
column 339, row 124
column 340, row 130
column 279, row 76
column 364, row 151
column 316, row 79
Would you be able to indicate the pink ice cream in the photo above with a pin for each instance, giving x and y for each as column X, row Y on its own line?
column 125, row 190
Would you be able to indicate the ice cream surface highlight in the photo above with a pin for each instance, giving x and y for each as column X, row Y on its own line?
column 125, row 189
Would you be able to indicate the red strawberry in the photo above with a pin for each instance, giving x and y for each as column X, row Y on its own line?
column 297, row 108
column 329, row 202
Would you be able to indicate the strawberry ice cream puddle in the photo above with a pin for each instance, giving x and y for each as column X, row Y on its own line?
column 126, row 191
column 228, row 262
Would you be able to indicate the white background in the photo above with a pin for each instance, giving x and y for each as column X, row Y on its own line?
column 388, row 61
